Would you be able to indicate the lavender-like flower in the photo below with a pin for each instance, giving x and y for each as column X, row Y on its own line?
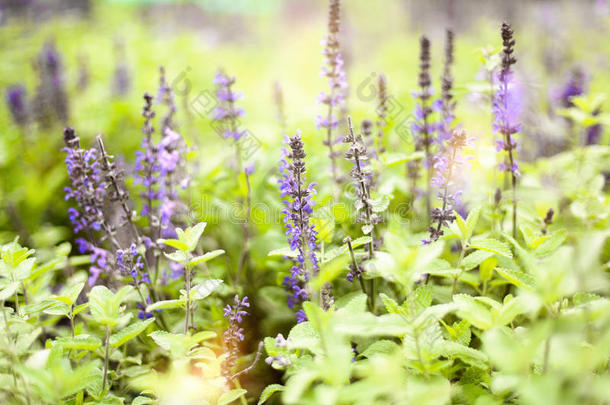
column 333, row 71
column 51, row 101
column 166, row 96
column 504, row 111
column 130, row 262
column 423, row 128
column 447, row 103
column 447, row 165
column 88, row 189
column 227, row 114
column 234, row 333
column 17, row 105
column 121, row 80
column 358, row 155
column 298, row 209
column 382, row 113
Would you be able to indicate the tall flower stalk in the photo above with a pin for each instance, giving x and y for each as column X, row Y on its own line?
column 227, row 114
column 51, row 100
column 505, row 116
column 301, row 233
column 447, row 102
column 423, row 128
column 382, row 113
column 335, row 97
column 447, row 165
column 234, row 334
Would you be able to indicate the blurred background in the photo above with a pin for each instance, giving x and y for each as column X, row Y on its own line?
column 87, row 64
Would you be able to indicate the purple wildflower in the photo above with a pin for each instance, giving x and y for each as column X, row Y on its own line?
column 165, row 96
column 234, row 333
column 447, row 165
column 382, row 113
column 16, row 100
column 129, row 262
column 505, row 112
column 423, row 128
column 446, row 100
column 121, row 80
column 301, row 234
column 226, row 113
column 333, row 71
column 51, row 101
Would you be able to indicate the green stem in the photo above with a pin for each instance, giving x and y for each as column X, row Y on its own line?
column 459, row 265
column 187, row 275
column 106, row 357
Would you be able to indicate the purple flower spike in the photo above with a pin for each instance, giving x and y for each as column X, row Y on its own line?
column 298, row 208
column 234, row 333
column 505, row 111
column 16, row 100
column 337, row 83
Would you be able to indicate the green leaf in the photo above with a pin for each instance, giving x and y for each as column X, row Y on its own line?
column 230, row 396
column 384, row 346
column 380, row 204
column 9, row 290
column 492, row 245
column 285, row 251
column 462, row 227
column 130, row 332
column 205, row 257
column 475, row 258
column 142, row 401
column 518, row 278
column 78, row 342
column 192, row 235
column 175, row 244
column 551, row 244
column 468, row 355
column 167, row 304
column 206, row 288
column 105, row 306
column 268, row 391
column 472, row 311
column 471, row 221
column 487, row 267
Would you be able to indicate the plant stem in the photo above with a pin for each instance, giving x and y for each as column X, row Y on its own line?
column 459, row 265
column 106, row 357
column 244, row 248
column 187, row 275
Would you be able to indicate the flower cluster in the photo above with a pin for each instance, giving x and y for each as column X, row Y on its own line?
column 159, row 168
column 301, row 234
column 226, row 113
column 505, row 111
column 51, row 100
column 423, row 129
column 447, row 165
column 87, row 187
column 358, row 155
column 16, row 101
column 129, row 262
column 332, row 69
column 382, row 112
column 121, row 80
column 447, row 103
column 234, row 333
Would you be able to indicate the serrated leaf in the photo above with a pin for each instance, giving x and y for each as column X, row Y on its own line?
column 9, row 290
column 268, row 391
column 285, row 251
column 487, row 267
column 471, row 221
column 130, row 332
column 205, row 257
column 78, row 342
column 192, row 235
column 141, row 400
column 468, row 355
column 492, row 245
column 552, row 243
column 230, row 396
column 167, row 304
column 175, row 244
column 518, row 278
column 462, row 227
column 475, row 258
column 206, row 288
column 383, row 346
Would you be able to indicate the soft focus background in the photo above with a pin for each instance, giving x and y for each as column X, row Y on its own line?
column 109, row 54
